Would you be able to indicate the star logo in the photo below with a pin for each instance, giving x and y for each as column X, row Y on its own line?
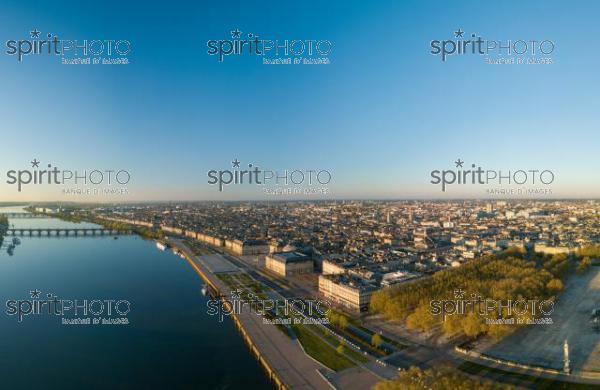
column 236, row 163
column 459, row 163
column 459, row 33
column 35, row 33
column 459, row 293
column 35, row 293
column 35, row 163
column 236, row 33
column 236, row 294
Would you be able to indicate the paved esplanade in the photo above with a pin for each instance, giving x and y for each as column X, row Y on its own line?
column 283, row 354
column 542, row 345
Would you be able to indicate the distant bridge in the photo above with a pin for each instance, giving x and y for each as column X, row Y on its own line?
column 23, row 215
column 65, row 232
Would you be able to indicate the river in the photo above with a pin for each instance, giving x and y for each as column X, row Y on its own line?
column 170, row 342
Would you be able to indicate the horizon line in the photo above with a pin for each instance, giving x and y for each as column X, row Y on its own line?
column 297, row 200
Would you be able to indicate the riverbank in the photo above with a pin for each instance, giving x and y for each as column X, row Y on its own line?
column 139, row 229
column 3, row 227
column 282, row 358
column 170, row 342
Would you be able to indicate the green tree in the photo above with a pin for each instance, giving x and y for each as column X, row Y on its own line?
column 379, row 301
column 555, row 285
column 452, row 325
column 343, row 321
column 584, row 265
column 332, row 317
column 473, row 325
column 376, row 340
column 502, row 276
column 421, row 319
column 590, row 250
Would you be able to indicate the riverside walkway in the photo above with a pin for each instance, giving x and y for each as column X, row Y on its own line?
column 287, row 365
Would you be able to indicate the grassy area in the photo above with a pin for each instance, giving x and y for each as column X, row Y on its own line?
column 247, row 281
column 350, row 318
column 271, row 316
column 350, row 352
column 315, row 347
column 197, row 249
column 387, row 340
column 311, row 342
column 525, row 379
column 241, row 280
column 229, row 280
column 365, row 343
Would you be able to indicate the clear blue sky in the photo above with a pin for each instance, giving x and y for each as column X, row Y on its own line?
column 380, row 117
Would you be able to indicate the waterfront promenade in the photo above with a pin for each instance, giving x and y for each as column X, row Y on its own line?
column 281, row 356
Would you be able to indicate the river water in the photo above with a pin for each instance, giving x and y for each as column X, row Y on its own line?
column 170, row 342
